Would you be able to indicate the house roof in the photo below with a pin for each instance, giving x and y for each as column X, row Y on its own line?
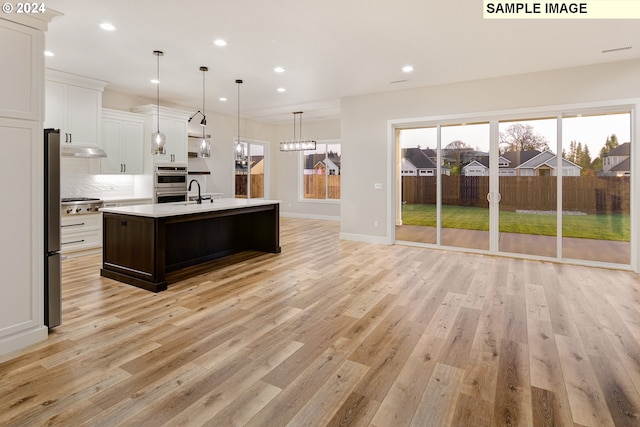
column 522, row 156
column 430, row 152
column 545, row 158
column 623, row 166
column 311, row 160
column 475, row 163
column 484, row 161
column 621, row 150
column 418, row 158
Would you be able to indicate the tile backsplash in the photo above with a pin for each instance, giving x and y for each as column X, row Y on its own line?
column 77, row 180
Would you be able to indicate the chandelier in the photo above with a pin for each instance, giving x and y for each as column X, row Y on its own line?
column 297, row 143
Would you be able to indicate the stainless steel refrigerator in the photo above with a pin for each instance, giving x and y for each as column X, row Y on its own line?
column 52, row 261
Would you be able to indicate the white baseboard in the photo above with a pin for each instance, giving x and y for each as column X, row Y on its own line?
column 309, row 216
column 13, row 344
column 365, row 238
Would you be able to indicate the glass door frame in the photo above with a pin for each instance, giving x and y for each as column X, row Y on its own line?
column 266, row 146
column 494, row 118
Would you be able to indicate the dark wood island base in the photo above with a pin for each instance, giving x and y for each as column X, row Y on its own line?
column 139, row 250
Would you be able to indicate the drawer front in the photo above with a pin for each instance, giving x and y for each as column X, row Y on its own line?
column 76, row 223
column 80, row 241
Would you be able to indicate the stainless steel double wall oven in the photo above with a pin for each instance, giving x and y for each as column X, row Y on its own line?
column 170, row 184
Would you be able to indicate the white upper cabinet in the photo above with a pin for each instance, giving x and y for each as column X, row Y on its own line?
column 73, row 104
column 174, row 124
column 123, row 140
column 177, row 139
column 21, row 71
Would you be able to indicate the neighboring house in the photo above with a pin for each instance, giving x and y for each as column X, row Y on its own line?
column 522, row 163
column 319, row 164
column 416, row 162
column 544, row 164
column 480, row 167
column 321, row 167
column 616, row 162
column 516, row 158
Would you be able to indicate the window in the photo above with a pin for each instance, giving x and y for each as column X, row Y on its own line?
column 321, row 170
column 250, row 169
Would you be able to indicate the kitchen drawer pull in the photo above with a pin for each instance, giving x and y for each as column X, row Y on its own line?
column 73, row 225
column 75, row 241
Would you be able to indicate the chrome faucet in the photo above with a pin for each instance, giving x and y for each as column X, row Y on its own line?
column 199, row 199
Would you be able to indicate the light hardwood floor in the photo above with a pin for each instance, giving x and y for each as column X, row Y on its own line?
column 333, row 332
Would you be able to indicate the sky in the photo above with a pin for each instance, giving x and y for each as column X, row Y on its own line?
column 589, row 130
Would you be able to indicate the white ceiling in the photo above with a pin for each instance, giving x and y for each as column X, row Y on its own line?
column 329, row 48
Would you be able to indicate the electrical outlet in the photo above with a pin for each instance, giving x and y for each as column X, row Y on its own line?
column 376, row 224
column 377, row 186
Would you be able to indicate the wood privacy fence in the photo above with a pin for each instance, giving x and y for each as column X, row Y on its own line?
column 257, row 185
column 317, row 186
column 588, row 194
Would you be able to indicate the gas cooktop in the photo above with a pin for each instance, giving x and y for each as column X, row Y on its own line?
column 80, row 205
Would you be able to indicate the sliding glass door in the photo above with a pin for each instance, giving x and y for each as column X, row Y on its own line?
column 555, row 186
column 417, row 189
column 528, row 183
column 596, row 203
column 251, row 170
column 465, row 185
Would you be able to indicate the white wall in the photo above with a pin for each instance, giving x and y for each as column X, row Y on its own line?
column 365, row 127
column 288, row 171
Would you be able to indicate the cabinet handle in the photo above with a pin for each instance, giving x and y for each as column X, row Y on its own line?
column 75, row 241
column 72, row 225
column 125, row 167
column 70, row 138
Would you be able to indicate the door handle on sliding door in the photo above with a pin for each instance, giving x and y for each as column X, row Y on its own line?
column 494, row 197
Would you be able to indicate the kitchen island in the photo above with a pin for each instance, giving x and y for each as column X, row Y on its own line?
column 142, row 243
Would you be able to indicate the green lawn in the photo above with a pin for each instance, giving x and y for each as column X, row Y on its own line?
column 599, row 227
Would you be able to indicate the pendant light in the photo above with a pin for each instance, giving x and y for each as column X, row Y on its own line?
column 204, row 148
column 240, row 152
column 297, row 143
column 158, row 139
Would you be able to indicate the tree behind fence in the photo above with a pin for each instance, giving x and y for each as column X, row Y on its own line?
column 588, row 194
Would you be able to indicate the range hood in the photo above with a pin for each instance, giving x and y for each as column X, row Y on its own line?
column 82, row 152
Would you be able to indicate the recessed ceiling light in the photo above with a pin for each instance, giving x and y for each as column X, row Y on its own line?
column 407, row 69
column 220, row 42
column 155, row 81
column 49, row 53
column 279, row 70
column 223, row 99
column 281, row 89
column 107, row 26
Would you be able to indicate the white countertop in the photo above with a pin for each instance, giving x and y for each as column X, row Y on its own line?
column 185, row 208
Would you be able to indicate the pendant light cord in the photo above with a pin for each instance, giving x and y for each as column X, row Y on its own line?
column 204, row 116
column 158, row 92
column 158, row 54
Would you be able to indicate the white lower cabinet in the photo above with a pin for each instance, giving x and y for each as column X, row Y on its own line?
column 81, row 232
